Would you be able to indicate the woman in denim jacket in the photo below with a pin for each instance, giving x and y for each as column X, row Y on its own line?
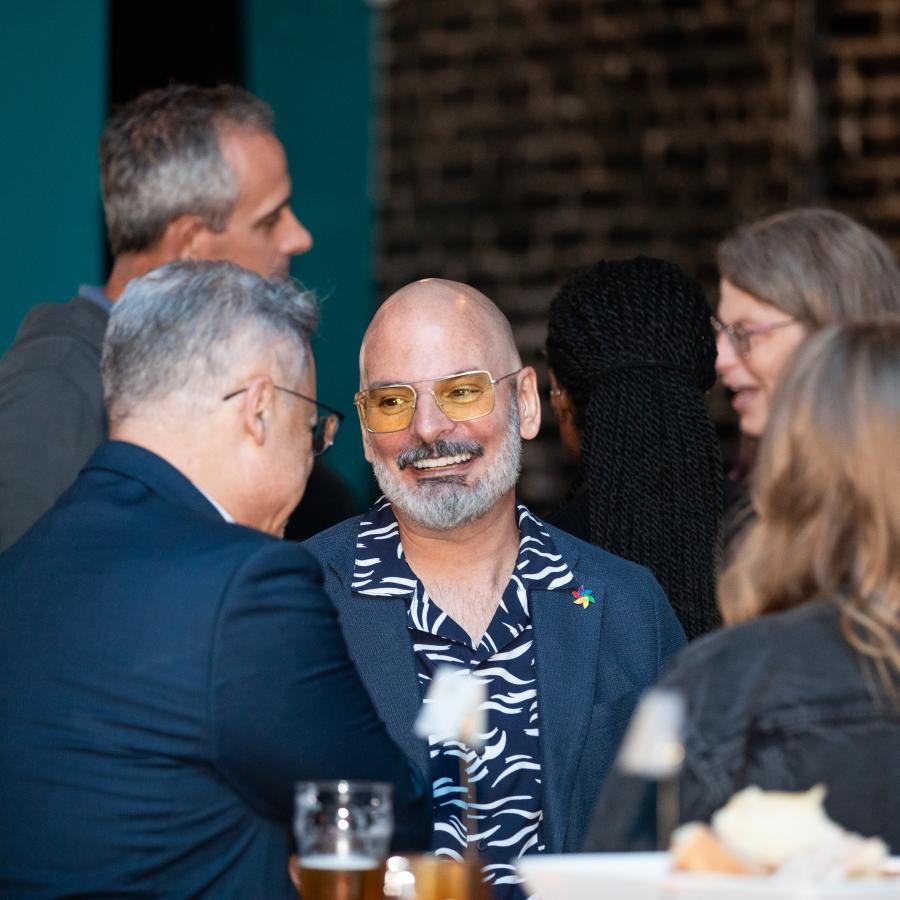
column 806, row 689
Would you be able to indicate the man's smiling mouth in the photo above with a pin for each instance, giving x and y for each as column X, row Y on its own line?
column 442, row 462
column 439, row 455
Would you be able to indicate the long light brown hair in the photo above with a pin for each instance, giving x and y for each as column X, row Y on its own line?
column 827, row 490
column 817, row 265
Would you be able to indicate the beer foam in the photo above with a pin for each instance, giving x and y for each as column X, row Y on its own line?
column 333, row 862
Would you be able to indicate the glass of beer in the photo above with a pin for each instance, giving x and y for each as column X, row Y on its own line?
column 424, row 876
column 343, row 829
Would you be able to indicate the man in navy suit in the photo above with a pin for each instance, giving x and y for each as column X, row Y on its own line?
column 168, row 667
column 446, row 568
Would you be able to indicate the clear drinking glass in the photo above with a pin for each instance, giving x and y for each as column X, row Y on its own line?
column 343, row 829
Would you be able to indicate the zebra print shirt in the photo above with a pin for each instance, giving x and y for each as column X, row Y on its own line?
column 506, row 773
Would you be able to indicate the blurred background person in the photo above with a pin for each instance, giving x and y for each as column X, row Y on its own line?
column 782, row 278
column 806, row 688
column 186, row 172
column 631, row 354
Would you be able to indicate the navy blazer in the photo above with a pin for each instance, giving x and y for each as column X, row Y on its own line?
column 165, row 678
column 592, row 664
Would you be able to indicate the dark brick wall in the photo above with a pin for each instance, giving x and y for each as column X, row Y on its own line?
column 521, row 139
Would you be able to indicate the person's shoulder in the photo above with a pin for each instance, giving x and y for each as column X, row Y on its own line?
column 332, row 541
column 209, row 550
column 585, row 557
column 58, row 339
column 778, row 671
column 260, row 551
column 775, row 640
column 634, row 602
column 77, row 318
column 127, row 490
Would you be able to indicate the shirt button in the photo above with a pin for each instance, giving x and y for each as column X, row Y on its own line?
column 482, row 846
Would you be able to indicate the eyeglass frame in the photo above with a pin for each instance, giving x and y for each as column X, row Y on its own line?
column 332, row 413
column 740, row 336
column 361, row 396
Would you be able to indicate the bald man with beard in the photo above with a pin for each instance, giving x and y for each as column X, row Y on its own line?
column 448, row 569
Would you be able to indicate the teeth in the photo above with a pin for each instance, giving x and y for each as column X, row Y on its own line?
column 441, row 461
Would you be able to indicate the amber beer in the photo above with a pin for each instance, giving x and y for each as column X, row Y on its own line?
column 332, row 877
column 439, row 878
column 343, row 829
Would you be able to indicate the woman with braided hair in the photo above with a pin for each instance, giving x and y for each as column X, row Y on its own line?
column 631, row 353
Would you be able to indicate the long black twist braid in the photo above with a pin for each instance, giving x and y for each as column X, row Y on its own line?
column 631, row 342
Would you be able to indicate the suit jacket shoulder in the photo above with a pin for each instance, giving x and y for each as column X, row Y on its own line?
column 335, row 544
column 636, row 605
column 61, row 336
column 51, row 409
column 193, row 669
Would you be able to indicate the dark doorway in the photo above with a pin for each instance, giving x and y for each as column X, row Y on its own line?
column 169, row 42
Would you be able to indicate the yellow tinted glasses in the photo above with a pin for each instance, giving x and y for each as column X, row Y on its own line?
column 468, row 395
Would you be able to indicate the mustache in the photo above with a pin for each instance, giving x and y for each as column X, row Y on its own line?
column 437, row 450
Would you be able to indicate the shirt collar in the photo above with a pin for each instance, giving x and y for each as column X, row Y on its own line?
column 96, row 295
column 220, row 509
column 381, row 570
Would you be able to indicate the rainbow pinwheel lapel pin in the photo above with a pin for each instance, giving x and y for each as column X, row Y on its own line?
column 584, row 597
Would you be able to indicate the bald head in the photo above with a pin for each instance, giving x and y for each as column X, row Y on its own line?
column 434, row 312
column 445, row 464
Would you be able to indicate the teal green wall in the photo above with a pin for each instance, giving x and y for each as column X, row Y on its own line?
column 310, row 60
column 52, row 97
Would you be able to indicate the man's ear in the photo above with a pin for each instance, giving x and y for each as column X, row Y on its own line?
column 529, row 402
column 256, row 408
column 185, row 238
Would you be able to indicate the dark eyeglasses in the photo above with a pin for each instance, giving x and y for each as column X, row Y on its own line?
column 741, row 336
column 327, row 423
column 462, row 397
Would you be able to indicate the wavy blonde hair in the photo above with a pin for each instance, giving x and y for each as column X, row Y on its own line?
column 827, row 490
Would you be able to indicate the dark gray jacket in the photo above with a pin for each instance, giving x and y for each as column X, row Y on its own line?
column 51, row 409
column 783, row 702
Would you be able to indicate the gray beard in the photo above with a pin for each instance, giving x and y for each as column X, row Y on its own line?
column 443, row 502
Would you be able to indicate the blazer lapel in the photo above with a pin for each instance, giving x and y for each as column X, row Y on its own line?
column 381, row 648
column 567, row 639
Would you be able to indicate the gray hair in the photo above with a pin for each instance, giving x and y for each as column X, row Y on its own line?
column 817, row 265
column 160, row 159
column 186, row 326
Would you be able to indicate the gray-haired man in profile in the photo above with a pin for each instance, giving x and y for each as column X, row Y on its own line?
column 187, row 172
column 167, row 674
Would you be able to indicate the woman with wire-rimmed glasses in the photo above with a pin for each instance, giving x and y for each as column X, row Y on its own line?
column 782, row 279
